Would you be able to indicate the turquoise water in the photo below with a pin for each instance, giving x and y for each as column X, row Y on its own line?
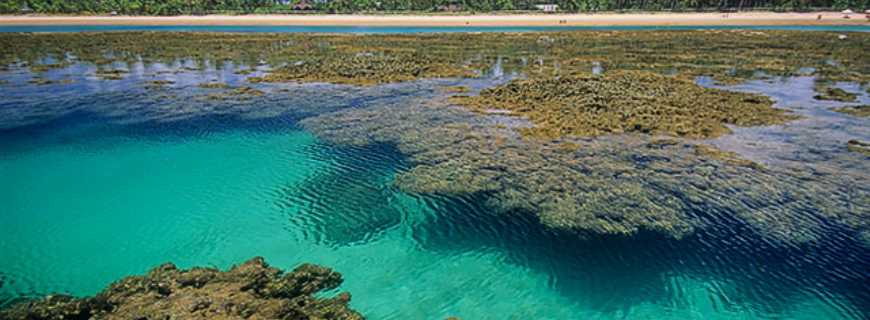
column 98, row 181
column 375, row 29
column 86, row 204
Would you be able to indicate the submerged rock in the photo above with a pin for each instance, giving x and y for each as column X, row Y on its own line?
column 858, row 146
column 858, row 111
column 252, row 290
column 112, row 74
column 213, row 85
column 835, row 94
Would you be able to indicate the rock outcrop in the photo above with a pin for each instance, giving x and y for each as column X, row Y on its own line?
column 252, row 290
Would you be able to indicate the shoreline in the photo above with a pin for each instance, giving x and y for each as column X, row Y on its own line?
column 491, row 20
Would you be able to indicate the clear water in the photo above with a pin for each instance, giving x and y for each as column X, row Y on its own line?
column 98, row 181
column 381, row 30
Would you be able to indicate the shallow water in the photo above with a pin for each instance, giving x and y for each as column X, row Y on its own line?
column 100, row 179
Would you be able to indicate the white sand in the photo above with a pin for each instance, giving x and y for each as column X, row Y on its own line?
column 604, row 19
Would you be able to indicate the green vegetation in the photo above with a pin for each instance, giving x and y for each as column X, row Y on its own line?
column 178, row 7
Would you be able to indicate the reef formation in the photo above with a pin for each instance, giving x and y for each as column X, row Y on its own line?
column 597, row 137
column 727, row 56
column 625, row 102
column 614, row 185
column 252, row 290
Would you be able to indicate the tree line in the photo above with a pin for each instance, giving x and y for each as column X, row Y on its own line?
column 195, row 7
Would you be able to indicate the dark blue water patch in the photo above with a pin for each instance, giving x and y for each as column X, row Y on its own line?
column 614, row 273
column 351, row 202
column 85, row 126
column 398, row 30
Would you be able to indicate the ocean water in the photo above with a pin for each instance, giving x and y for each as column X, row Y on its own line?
column 99, row 180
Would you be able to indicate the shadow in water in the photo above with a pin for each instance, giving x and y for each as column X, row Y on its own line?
column 351, row 201
column 613, row 273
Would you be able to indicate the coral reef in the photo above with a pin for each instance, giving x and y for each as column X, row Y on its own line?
column 366, row 68
column 858, row 111
column 614, row 185
column 626, row 179
column 728, row 56
column 626, row 101
column 252, row 290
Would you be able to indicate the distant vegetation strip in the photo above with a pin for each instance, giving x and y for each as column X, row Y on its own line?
column 199, row 7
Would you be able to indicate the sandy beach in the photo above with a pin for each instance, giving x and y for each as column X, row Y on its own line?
column 604, row 19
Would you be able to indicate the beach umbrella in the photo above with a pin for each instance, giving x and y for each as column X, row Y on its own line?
column 847, row 11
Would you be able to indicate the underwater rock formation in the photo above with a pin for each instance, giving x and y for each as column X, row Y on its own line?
column 616, row 185
column 626, row 102
column 252, row 290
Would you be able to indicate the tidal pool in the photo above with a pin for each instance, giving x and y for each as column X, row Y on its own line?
column 101, row 179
